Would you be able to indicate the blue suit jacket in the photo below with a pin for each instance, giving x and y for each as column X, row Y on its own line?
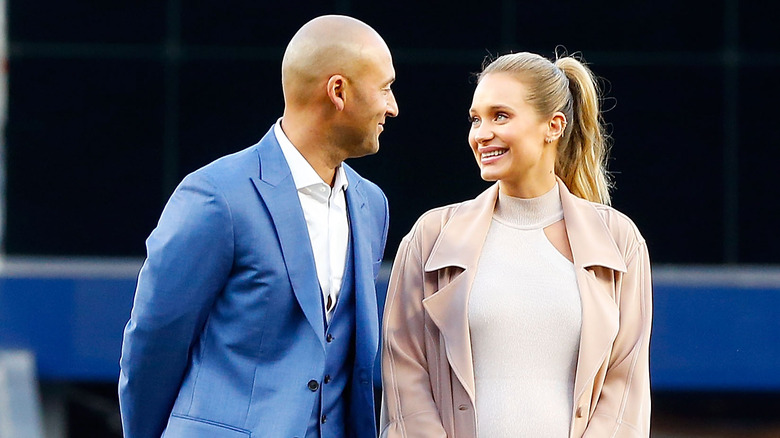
column 227, row 324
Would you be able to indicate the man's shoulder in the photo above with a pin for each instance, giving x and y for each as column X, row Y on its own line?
column 229, row 169
column 227, row 165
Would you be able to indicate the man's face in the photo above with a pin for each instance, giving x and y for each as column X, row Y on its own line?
column 370, row 102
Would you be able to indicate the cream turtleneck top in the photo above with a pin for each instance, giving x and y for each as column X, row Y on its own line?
column 524, row 318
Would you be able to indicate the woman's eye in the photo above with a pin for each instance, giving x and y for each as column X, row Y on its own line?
column 473, row 120
column 501, row 116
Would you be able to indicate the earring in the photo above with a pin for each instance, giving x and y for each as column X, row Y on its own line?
column 548, row 140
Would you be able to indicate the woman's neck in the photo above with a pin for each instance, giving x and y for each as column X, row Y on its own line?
column 528, row 187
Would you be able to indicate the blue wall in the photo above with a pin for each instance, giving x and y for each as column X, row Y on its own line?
column 714, row 329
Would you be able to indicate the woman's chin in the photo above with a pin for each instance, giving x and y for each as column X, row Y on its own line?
column 488, row 176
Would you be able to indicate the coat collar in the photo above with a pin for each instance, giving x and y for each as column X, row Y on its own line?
column 591, row 242
column 460, row 243
column 366, row 317
column 461, row 239
column 277, row 189
column 274, row 168
column 276, row 186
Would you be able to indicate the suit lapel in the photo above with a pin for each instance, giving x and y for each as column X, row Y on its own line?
column 366, row 318
column 277, row 190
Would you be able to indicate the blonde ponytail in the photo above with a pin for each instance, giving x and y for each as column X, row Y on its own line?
column 583, row 150
column 567, row 86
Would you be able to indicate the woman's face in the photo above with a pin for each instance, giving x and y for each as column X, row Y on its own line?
column 507, row 137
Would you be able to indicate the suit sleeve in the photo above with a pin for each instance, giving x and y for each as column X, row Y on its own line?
column 408, row 408
column 189, row 256
column 623, row 410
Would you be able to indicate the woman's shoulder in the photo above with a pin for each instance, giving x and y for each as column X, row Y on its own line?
column 623, row 230
column 430, row 225
column 434, row 220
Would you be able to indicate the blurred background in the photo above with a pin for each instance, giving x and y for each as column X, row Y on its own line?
column 108, row 105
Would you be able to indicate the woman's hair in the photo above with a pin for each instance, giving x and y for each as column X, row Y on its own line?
column 567, row 86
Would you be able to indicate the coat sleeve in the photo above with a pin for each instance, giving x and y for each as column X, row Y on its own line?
column 408, row 408
column 623, row 410
column 189, row 256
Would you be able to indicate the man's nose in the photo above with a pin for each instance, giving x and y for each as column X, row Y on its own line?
column 392, row 106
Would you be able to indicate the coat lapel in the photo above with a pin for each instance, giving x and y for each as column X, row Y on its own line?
column 366, row 318
column 277, row 190
column 592, row 246
column 459, row 245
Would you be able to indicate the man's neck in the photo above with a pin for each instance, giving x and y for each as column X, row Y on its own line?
column 310, row 145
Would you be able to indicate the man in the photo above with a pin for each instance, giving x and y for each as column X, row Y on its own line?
column 255, row 312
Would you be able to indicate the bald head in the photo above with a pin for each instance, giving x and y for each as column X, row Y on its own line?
column 327, row 46
column 336, row 77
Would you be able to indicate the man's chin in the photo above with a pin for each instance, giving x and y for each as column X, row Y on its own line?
column 357, row 153
column 371, row 148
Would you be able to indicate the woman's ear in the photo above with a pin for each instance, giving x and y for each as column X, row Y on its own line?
column 557, row 126
column 337, row 85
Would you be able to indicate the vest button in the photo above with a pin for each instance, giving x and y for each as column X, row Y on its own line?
column 324, row 419
column 463, row 407
column 313, row 385
column 580, row 412
column 327, row 379
column 329, row 338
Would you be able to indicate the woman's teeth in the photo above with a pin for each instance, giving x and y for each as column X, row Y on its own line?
column 494, row 153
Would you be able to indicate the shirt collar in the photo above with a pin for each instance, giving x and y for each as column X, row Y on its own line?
column 303, row 173
column 340, row 182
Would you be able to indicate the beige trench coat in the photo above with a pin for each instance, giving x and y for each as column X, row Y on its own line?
column 427, row 368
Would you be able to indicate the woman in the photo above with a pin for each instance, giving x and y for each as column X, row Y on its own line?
column 526, row 311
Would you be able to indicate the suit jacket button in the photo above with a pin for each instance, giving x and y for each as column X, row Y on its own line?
column 313, row 385
column 329, row 338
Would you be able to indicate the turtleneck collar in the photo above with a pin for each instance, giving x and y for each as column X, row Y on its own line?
column 529, row 213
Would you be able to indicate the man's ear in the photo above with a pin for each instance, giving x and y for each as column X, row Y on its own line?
column 337, row 91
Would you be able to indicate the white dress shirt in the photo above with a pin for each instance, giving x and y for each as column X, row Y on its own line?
column 325, row 210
